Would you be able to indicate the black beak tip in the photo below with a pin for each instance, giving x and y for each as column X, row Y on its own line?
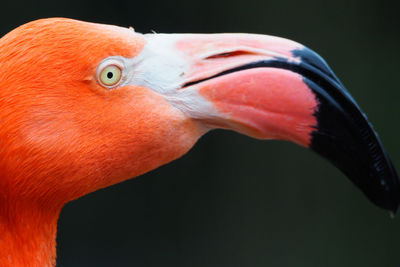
column 368, row 167
column 344, row 136
column 390, row 188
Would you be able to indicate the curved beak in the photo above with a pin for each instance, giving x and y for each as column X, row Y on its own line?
column 271, row 88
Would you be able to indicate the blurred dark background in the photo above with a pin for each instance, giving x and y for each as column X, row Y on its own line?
column 232, row 200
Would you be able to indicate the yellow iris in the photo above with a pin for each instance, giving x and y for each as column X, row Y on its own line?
column 110, row 75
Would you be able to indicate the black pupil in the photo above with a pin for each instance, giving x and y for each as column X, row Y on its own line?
column 110, row 75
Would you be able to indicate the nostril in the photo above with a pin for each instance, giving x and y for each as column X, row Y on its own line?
column 230, row 54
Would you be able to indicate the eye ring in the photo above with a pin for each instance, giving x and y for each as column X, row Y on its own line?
column 109, row 73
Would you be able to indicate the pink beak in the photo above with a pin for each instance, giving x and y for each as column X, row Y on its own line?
column 272, row 88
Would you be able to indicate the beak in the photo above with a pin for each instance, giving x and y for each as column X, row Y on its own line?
column 270, row 88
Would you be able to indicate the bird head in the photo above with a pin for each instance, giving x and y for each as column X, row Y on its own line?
column 84, row 106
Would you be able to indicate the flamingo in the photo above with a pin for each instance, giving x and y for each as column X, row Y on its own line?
column 84, row 106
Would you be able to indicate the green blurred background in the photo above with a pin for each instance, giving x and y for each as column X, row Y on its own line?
column 232, row 200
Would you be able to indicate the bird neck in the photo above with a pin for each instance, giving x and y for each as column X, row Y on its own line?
column 27, row 234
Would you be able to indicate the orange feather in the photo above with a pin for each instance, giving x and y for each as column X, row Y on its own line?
column 62, row 135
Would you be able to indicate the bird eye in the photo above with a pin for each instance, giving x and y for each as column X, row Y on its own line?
column 110, row 75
